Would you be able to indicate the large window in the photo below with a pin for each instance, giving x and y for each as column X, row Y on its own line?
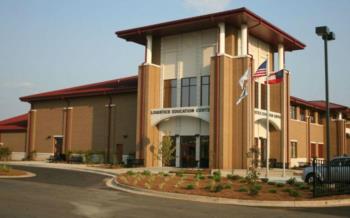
column 169, row 99
column 188, row 92
column 205, row 86
column 294, row 149
column 293, row 112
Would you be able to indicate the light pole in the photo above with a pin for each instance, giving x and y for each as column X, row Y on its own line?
column 326, row 35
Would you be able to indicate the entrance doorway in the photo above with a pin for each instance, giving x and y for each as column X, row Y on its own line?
column 188, row 151
column 58, row 146
column 204, row 152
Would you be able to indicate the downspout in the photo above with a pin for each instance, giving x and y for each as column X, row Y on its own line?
column 109, row 106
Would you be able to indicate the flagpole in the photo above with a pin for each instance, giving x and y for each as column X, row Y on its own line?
column 267, row 123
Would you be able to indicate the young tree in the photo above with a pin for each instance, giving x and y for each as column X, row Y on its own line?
column 166, row 151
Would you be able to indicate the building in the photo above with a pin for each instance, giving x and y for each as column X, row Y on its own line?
column 97, row 117
column 13, row 134
column 187, row 89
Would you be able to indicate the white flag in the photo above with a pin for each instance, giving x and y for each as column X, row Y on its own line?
column 244, row 78
column 243, row 83
column 243, row 95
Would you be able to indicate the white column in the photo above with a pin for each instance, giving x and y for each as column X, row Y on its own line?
column 149, row 49
column 340, row 116
column 221, row 38
column 198, row 150
column 177, row 160
column 280, row 56
column 244, row 39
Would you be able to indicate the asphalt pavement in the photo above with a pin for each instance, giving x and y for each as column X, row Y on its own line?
column 56, row 193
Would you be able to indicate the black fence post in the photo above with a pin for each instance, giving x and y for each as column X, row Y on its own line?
column 315, row 177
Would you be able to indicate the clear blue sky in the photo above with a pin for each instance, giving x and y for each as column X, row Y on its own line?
column 47, row 45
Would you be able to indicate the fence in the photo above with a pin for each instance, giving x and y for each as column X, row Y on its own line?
column 331, row 178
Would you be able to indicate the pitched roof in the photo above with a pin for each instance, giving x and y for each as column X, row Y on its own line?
column 121, row 85
column 17, row 123
column 258, row 27
column 319, row 105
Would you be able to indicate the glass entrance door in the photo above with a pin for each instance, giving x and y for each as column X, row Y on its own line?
column 188, row 151
column 204, row 152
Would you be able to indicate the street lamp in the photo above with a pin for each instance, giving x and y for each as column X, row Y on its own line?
column 326, row 35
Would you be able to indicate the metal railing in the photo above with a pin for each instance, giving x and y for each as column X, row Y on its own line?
column 331, row 178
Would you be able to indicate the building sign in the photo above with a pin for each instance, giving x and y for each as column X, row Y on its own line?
column 157, row 115
column 271, row 114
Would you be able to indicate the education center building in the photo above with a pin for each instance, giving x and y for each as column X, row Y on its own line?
column 187, row 88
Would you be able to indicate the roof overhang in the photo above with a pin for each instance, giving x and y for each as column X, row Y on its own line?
column 257, row 26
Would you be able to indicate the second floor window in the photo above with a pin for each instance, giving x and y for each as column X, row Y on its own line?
column 293, row 112
column 205, row 86
column 256, row 94
column 263, row 96
column 189, row 92
column 312, row 117
column 169, row 98
column 302, row 114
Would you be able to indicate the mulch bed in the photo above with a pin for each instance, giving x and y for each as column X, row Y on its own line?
column 12, row 172
column 234, row 187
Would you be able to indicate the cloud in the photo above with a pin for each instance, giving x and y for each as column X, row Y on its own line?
column 206, row 6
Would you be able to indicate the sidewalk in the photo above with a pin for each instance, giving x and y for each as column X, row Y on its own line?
column 275, row 174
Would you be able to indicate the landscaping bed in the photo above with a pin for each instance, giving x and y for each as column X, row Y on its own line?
column 8, row 171
column 232, row 186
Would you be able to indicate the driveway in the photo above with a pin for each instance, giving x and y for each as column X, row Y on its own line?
column 64, row 194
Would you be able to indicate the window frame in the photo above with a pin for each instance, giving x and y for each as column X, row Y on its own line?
column 189, row 79
column 202, row 85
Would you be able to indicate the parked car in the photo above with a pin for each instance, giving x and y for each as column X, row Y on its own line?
column 340, row 171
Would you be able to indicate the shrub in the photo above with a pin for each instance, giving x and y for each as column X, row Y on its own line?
column 146, row 173
column 217, row 176
column 301, row 185
column 130, row 173
column 210, row 177
column 286, row 190
column 280, row 185
column 167, row 150
column 190, row 186
column 201, row 177
column 291, row 181
column 198, row 175
column 166, row 174
column 294, row 193
column 271, row 183
column 4, row 168
column 252, row 176
column 242, row 181
column 254, row 189
column 179, row 174
column 218, row 188
column 242, row 189
column 233, row 177
column 228, row 186
column 272, row 191
column 5, row 153
column 264, row 180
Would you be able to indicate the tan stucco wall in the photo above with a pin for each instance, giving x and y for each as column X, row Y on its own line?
column 14, row 140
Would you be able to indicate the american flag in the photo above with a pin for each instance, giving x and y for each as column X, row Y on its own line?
column 261, row 71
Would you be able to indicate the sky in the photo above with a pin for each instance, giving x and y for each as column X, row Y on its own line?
column 48, row 45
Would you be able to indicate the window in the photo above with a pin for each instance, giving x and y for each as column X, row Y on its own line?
column 293, row 112
column 169, row 99
column 256, row 94
column 294, row 149
column 320, row 118
column 205, row 87
column 189, row 92
column 302, row 114
column 263, row 96
column 312, row 117
column 313, row 150
column 320, row 150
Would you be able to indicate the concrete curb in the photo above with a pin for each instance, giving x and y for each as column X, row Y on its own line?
column 112, row 183
column 27, row 175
